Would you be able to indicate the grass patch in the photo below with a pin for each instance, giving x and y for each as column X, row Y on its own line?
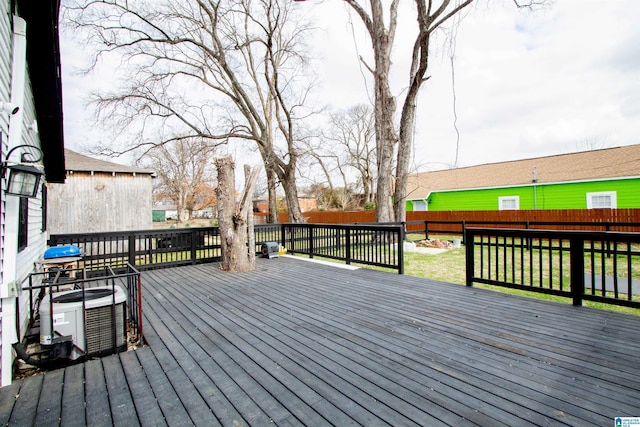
column 449, row 267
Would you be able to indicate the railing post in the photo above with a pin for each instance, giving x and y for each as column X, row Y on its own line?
column 310, row 240
column 469, row 242
column 576, row 252
column 283, row 236
column 401, row 238
column 464, row 231
column 348, row 245
column 132, row 249
column 193, row 246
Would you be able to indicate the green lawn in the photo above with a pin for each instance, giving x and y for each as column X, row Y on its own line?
column 449, row 267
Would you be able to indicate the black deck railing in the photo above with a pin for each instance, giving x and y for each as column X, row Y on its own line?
column 377, row 245
column 151, row 249
column 582, row 265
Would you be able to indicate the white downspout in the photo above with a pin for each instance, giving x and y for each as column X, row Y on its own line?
column 8, row 291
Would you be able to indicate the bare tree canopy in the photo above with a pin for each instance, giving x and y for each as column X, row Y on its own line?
column 184, row 174
column 354, row 131
column 381, row 24
column 197, row 69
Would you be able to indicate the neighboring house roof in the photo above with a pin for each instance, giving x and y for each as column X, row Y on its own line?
column 609, row 163
column 76, row 162
column 43, row 57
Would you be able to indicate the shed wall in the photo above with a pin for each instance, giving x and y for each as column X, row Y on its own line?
column 100, row 202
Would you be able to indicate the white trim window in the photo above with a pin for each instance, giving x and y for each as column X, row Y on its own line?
column 602, row 200
column 509, row 203
column 419, row 205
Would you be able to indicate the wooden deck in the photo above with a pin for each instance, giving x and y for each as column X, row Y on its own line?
column 301, row 343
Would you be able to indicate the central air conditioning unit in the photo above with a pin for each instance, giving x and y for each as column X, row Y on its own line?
column 63, row 314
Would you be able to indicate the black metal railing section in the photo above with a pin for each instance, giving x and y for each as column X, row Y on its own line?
column 80, row 313
column 582, row 265
column 376, row 245
column 150, row 249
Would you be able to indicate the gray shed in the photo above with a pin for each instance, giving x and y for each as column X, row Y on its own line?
column 99, row 196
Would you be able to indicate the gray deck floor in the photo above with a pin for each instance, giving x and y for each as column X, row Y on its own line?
column 300, row 343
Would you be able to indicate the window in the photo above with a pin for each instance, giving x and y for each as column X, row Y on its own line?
column 602, row 200
column 510, row 203
column 23, row 224
column 419, row 205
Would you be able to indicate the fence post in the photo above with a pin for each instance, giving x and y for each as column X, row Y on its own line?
column 576, row 252
column 426, row 229
column 469, row 256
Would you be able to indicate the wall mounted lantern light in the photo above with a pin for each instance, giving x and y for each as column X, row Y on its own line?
column 23, row 178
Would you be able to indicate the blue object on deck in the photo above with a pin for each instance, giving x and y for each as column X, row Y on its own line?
column 62, row 252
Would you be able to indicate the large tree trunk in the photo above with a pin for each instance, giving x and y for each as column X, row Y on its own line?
column 404, row 156
column 385, row 108
column 385, row 104
column 235, row 226
column 291, row 194
column 273, row 201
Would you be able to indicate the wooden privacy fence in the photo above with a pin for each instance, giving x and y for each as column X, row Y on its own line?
column 623, row 220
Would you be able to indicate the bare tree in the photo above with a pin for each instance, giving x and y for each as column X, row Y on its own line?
column 430, row 16
column 382, row 37
column 184, row 173
column 214, row 70
column 594, row 142
column 354, row 131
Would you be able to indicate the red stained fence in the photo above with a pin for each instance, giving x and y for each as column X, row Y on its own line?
column 624, row 220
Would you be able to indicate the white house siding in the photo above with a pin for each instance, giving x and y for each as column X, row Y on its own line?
column 37, row 237
column 100, row 202
column 5, row 85
column 15, row 266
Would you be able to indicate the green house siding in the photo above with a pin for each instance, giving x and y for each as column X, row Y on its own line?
column 541, row 196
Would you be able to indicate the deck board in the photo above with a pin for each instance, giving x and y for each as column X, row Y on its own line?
column 73, row 397
column 299, row 343
column 50, row 403
column 148, row 412
column 25, row 409
column 96, row 395
column 123, row 411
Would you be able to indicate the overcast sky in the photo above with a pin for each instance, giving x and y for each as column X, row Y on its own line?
column 560, row 80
